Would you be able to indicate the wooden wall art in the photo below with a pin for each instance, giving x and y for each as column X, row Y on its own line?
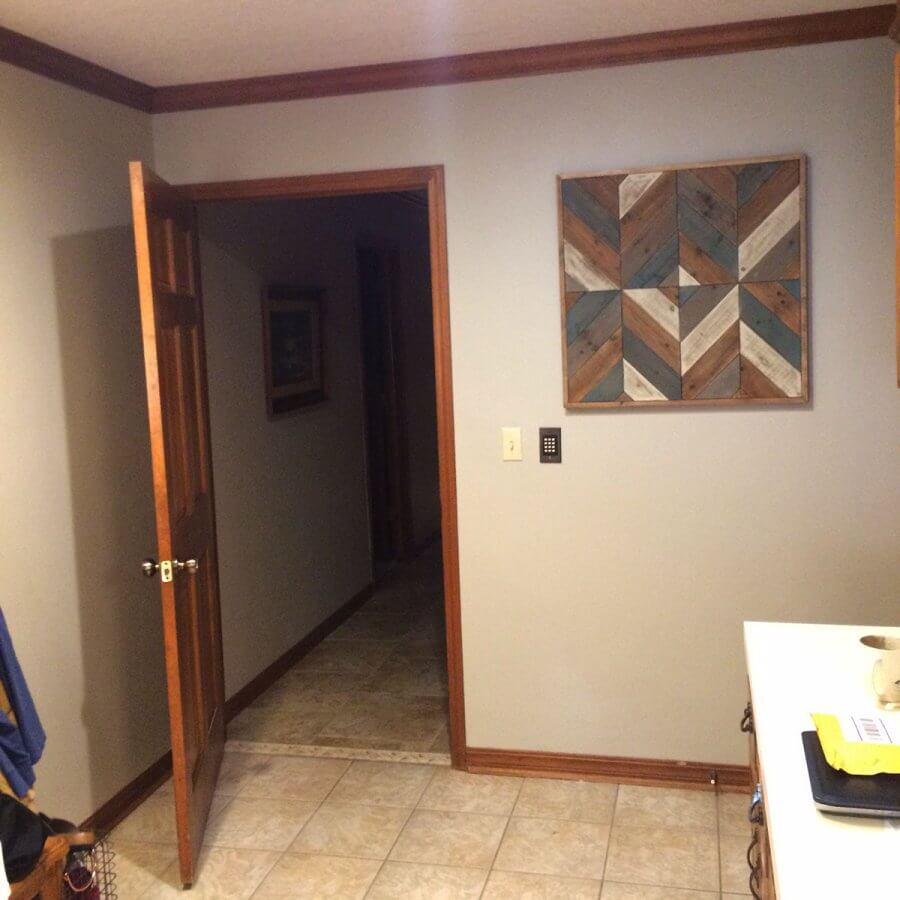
column 685, row 285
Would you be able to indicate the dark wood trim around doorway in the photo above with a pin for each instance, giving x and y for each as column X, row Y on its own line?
column 431, row 180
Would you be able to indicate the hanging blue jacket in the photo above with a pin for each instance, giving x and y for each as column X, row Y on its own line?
column 22, row 744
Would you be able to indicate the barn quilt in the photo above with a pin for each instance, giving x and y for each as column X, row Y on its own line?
column 685, row 285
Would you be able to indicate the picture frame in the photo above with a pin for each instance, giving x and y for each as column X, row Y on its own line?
column 292, row 348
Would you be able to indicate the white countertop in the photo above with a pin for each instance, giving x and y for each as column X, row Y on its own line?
column 796, row 670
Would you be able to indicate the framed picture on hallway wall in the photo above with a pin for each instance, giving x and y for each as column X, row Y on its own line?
column 685, row 285
column 292, row 348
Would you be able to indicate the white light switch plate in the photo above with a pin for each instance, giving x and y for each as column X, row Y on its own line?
column 512, row 444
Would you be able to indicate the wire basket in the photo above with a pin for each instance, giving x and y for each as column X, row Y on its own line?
column 91, row 873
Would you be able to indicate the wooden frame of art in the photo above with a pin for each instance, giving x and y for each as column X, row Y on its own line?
column 685, row 285
column 292, row 348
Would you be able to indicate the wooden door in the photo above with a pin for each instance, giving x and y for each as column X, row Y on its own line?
column 165, row 231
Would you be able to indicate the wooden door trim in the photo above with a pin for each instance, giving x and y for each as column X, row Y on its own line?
column 431, row 180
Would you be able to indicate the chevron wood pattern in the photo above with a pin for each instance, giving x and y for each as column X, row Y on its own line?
column 685, row 285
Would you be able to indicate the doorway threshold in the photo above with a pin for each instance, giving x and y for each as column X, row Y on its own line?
column 314, row 750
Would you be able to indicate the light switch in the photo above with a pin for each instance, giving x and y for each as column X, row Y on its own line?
column 512, row 444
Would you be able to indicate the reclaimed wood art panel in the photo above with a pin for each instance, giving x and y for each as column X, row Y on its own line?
column 685, row 285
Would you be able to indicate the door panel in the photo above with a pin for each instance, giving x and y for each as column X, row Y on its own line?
column 174, row 356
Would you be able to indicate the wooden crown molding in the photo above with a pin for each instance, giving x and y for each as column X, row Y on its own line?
column 710, row 40
column 27, row 53
column 869, row 21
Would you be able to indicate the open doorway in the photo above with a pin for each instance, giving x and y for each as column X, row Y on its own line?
column 167, row 241
column 334, row 497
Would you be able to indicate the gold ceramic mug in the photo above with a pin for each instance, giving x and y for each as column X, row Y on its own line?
column 886, row 671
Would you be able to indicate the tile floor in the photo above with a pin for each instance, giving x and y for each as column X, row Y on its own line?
column 301, row 827
column 378, row 682
column 298, row 821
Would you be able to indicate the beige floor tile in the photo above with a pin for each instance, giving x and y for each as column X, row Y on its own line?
column 222, row 875
column 294, row 778
column 139, row 867
column 248, row 824
column 412, row 722
column 240, row 769
column 461, row 792
column 317, row 877
column 308, row 693
column 441, row 744
column 340, row 829
column 517, row 886
column 582, row 801
column 413, row 881
column 670, row 857
column 413, row 676
column 280, row 724
column 733, row 809
column 653, row 807
column 449, row 839
column 733, row 860
column 435, row 648
column 554, row 847
column 346, row 657
column 613, row 891
column 382, row 784
column 371, row 626
column 152, row 822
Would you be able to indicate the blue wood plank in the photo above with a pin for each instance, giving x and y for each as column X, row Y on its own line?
column 588, row 307
column 770, row 328
column 660, row 375
column 610, row 388
column 601, row 221
column 659, row 267
column 751, row 178
column 708, row 238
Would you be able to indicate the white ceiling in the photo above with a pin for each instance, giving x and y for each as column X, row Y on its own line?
column 175, row 41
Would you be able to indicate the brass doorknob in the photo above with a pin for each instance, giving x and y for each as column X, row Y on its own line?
column 149, row 567
column 188, row 565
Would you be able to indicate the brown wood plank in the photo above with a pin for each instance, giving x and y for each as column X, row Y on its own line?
column 593, row 338
column 663, row 344
column 766, row 199
column 597, row 367
column 736, row 37
column 722, row 352
column 701, row 267
column 755, row 384
column 779, row 300
column 605, row 259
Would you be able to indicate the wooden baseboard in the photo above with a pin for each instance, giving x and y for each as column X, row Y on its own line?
column 130, row 797
column 137, row 791
column 249, row 692
column 621, row 769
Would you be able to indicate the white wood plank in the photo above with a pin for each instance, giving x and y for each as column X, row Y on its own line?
column 633, row 187
column 685, row 279
column 580, row 270
column 770, row 362
column 769, row 232
column 637, row 387
column 658, row 306
column 720, row 318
